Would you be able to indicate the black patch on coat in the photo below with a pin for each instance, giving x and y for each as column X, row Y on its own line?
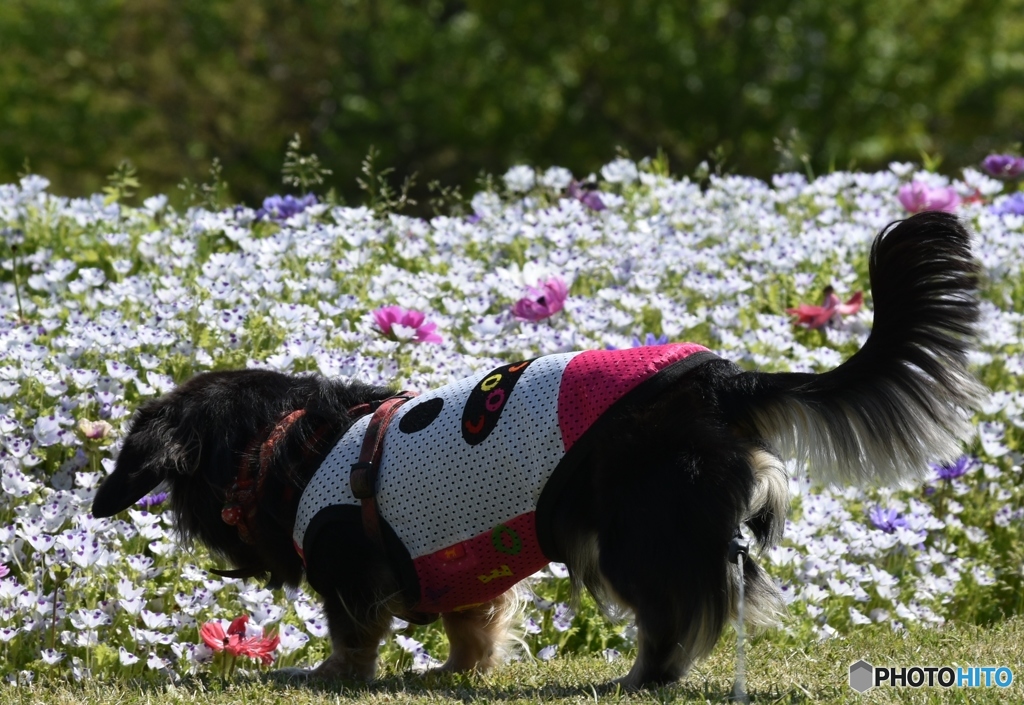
column 421, row 415
column 487, row 400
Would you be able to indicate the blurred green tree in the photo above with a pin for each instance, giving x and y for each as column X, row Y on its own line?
column 448, row 88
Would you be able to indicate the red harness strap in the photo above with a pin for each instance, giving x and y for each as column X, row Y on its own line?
column 243, row 498
column 363, row 477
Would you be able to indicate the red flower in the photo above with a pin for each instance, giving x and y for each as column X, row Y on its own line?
column 261, row 648
column 214, row 636
column 831, row 308
column 235, row 641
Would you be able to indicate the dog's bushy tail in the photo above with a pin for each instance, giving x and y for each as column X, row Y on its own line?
column 904, row 398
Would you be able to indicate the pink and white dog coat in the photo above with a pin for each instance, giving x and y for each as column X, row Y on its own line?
column 466, row 467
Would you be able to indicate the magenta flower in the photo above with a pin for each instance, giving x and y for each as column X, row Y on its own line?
column 543, row 300
column 402, row 324
column 1003, row 166
column 917, row 197
column 4, row 571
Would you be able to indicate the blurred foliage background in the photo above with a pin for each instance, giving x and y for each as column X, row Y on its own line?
column 447, row 89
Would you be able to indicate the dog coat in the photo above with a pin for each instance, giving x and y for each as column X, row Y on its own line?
column 467, row 469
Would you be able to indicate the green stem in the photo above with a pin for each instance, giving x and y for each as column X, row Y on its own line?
column 944, row 493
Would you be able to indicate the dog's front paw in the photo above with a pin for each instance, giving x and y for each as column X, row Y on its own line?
column 335, row 667
column 463, row 663
column 638, row 679
column 354, row 666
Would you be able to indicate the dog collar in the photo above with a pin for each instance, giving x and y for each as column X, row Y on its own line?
column 243, row 498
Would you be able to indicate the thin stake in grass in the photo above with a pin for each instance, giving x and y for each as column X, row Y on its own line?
column 738, row 548
column 15, row 237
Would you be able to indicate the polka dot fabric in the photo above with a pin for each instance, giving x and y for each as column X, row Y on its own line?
column 441, row 490
column 329, row 486
column 461, row 500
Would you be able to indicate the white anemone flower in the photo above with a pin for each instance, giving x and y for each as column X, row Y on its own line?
column 520, row 178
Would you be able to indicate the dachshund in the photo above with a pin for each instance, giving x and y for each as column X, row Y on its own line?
column 636, row 468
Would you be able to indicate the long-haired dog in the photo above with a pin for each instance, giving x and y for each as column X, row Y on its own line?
column 635, row 468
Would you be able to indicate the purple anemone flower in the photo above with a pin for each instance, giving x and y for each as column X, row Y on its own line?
column 588, row 197
column 1014, row 205
column 888, row 520
column 284, row 207
column 1003, row 166
column 957, row 468
column 649, row 340
column 152, row 500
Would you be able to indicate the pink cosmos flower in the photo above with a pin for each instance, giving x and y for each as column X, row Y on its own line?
column 917, row 197
column 831, row 309
column 407, row 322
column 543, row 300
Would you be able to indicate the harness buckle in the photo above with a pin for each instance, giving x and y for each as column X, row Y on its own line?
column 362, row 480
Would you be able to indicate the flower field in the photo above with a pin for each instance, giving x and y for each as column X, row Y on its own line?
column 106, row 305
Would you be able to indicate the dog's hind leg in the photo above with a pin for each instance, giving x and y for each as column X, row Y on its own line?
column 478, row 636
column 663, row 541
column 663, row 550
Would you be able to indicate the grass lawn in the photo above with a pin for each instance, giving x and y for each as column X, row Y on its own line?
column 779, row 671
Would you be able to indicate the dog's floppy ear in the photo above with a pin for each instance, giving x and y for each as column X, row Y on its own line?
column 149, row 456
column 123, row 488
